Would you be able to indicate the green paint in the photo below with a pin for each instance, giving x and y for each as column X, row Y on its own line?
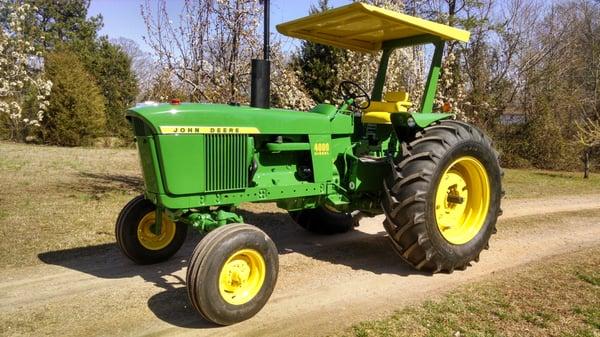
column 432, row 78
column 280, row 147
column 424, row 119
column 411, row 41
column 195, row 157
column 377, row 94
column 205, row 222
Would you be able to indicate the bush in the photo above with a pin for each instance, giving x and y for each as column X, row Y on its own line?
column 540, row 142
column 75, row 115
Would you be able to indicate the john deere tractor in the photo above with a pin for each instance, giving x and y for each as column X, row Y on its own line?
column 436, row 180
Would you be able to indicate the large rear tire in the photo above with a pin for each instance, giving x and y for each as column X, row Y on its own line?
column 321, row 220
column 232, row 273
column 443, row 197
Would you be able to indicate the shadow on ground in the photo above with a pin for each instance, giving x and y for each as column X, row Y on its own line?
column 98, row 184
column 356, row 249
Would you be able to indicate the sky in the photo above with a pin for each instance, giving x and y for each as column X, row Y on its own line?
column 122, row 18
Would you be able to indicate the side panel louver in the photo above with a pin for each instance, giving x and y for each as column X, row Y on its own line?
column 226, row 162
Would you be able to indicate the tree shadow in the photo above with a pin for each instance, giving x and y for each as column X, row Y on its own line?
column 556, row 174
column 356, row 249
column 97, row 184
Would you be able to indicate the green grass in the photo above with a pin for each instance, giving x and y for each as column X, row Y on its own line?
column 56, row 198
column 559, row 297
column 537, row 183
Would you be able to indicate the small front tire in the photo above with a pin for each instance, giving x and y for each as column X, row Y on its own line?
column 232, row 273
column 136, row 238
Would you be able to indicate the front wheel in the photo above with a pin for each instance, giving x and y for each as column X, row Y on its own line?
column 136, row 233
column 443, row 197
column 232, row 273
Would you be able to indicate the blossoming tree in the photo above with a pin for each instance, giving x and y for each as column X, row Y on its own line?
column 23, row 89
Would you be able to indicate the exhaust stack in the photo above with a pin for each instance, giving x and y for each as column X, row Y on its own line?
column 260, row 88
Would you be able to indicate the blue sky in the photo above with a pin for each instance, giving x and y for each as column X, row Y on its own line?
column 122, row 17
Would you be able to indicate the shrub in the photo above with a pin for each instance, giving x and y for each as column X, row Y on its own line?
column 76, row 112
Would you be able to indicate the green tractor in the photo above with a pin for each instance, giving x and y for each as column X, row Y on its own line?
column 437, row 180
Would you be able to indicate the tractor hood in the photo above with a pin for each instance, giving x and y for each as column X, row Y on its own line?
column 199, row 118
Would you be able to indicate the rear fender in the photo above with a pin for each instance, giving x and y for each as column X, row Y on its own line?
column 406, row 124
column 419, row 119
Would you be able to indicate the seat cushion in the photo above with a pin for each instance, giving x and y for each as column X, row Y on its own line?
column 385, row 106
column 400, row 97
column 376, row 117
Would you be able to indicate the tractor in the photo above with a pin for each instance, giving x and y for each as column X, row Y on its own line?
column 436, row 180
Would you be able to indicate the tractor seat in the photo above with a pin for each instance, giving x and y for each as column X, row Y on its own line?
column 379, row 111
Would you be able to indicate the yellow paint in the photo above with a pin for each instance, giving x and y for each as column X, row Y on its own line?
column 208, row 130
column 146, row 236
column 242, row 276
column 379, row 112
column 464, row 180
column 321, row 149
column 364, row 27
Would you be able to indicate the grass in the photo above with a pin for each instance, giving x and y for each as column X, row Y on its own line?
column 537, row 183
column 560, row 297
column 57, row 198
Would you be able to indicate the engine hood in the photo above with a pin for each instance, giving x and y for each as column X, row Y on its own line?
column 222, row 118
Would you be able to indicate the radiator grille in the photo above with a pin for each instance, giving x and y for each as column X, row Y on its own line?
column 226, row 162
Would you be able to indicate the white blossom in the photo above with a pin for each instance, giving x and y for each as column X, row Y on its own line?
column 18, row 75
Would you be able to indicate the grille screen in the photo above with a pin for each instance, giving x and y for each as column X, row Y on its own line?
column 226, row 162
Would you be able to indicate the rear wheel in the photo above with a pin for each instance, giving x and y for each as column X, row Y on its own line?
column 322, row 220
column 443, row 197
column 138, row 238
column 232, row 273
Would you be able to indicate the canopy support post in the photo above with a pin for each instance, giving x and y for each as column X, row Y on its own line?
column 432, row 78
column 377, row 93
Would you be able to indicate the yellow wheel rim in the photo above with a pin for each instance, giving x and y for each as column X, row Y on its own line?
column 242, row 276
column 146, row 232
column 462, row 200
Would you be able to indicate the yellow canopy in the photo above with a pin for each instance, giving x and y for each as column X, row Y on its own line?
column 363, row 27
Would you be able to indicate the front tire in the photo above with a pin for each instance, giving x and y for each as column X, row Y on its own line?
column 443, row 197
column 136, row 238
column 232, row 273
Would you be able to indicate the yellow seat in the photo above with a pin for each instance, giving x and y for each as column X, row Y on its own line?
column 379, row 111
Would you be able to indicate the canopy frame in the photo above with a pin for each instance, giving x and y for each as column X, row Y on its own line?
column 367, row 28
column 434, row 70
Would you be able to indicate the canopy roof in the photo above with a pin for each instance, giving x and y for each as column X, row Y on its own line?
column 363, row 27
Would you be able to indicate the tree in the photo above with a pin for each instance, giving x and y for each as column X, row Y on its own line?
column 588, row 133
column 164, row 88
column 23, row 86
column 210, row 48
column 142, row 64
column 61, row 23
column 76, row 112
column 111, row 67
column 287, row 90
column 317, row 65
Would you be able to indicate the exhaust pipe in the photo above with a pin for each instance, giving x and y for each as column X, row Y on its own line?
column 260, row 88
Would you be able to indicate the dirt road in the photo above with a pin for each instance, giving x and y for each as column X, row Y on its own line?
column 325, row 283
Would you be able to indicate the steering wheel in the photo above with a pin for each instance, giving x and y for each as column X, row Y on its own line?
column 350, row 90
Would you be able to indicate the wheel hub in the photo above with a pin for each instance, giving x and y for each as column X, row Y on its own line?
column 147, row 235
column 242, row 276
column 462, row 200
